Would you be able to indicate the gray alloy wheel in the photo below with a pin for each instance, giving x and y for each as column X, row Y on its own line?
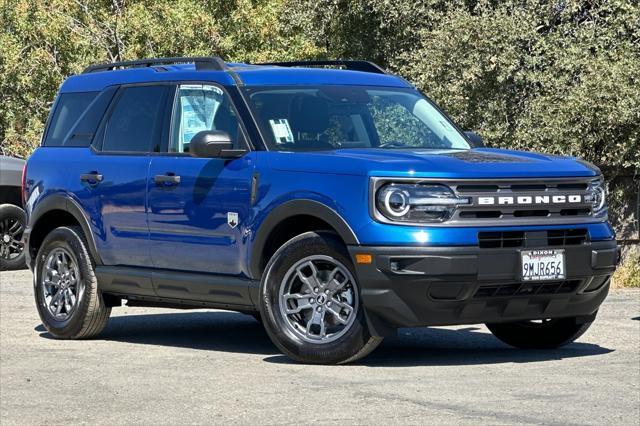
column 66, row 290
column 318, row 299
column 310, row 302
column 61, row 284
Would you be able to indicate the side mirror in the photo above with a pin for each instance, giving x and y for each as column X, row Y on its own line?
column 213, row 144
column 475, row 139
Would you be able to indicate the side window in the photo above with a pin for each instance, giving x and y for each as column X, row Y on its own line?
column 135, row 123
column 69, row 108
column 199, row 107
column 81, row 134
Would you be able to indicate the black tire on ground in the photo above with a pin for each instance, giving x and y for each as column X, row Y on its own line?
column 90, row 315
column 12, row 223
column 546, row 334
column 354, row 344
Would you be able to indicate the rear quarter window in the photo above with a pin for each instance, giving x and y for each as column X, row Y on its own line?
column 68, row 109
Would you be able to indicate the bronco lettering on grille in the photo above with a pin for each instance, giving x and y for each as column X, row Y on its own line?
column 530, row 200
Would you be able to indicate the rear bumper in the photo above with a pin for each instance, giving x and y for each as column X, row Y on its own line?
column 420, row 286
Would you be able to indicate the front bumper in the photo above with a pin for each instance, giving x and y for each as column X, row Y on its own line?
column 422, row 286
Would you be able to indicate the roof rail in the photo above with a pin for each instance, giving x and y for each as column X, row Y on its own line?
column 351, row 65
column 212, row 63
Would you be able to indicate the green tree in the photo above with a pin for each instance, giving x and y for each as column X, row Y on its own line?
column 44, row 42
column 559, row 77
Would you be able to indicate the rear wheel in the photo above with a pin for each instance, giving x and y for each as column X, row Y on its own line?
column 310, row 302
column 541, row 334
column 12, row 223
column 66, row 290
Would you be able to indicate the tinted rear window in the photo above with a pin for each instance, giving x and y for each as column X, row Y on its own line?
column 136, row 119
column 81, row 134
column 69, row 108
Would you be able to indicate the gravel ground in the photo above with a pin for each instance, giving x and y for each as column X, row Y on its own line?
column 159, row 366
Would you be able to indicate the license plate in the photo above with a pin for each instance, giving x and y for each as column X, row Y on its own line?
column 539, row 265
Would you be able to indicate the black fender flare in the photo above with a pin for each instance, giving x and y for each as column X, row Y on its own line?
column 64, row 203
column 294, row 208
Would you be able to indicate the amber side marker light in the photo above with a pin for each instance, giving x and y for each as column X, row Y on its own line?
column 364, row 258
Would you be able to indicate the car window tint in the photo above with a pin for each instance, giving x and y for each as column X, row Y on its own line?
column 136, row 119
column 305, row 118
column 81, row 134
column 69, row 108
column 201, row 107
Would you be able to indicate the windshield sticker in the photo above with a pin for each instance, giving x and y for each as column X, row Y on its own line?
column 281, row 131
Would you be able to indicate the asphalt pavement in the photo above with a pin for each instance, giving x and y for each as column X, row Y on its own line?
column 158, row 366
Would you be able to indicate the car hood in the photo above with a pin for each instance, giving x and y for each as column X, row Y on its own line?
column 474, row 163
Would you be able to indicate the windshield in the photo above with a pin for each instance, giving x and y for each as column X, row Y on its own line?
column 331, row 117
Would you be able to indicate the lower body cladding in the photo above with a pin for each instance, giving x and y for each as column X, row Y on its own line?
column 176, row 289
column 423, row 286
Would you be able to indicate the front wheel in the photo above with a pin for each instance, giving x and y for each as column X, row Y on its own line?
column 541, row 334
column 310, row 302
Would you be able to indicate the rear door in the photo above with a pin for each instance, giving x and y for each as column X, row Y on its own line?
column 114, row 173
column 198, row 207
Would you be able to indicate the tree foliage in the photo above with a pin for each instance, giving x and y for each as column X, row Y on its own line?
column 551, row 76
column 45, row 41
column 558, row 76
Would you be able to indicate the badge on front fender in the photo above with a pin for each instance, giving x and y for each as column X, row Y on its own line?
column 232, row 219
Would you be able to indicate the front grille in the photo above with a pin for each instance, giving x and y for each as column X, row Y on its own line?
column 522, row 201
column 527, row 289
column 501, row 239
column 566, row 237
column 552, row 238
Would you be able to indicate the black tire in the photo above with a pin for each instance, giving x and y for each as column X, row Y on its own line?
column 546, row 334
column 355, row 343
column 12, row 223
column 90, row 314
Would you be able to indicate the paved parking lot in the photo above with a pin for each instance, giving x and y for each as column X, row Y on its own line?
column 158, row 366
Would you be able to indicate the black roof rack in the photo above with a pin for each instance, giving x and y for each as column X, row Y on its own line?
column 364, row 66
column 213, row 63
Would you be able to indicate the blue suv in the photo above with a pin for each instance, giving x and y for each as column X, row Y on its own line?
column 329, row 199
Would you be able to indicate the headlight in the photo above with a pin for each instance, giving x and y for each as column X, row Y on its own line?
column 597, row 197
column 416, row 202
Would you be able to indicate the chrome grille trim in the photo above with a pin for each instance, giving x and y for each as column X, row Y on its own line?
column 474, row 214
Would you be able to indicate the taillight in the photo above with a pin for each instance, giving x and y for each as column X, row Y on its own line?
column 24, row 184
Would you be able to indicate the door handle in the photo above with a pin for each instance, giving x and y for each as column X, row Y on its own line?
column 168, row 179
column 92, row 178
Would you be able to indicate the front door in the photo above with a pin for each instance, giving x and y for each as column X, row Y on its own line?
column 199, row 207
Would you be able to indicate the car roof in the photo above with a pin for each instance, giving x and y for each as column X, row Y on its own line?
column 248, row 75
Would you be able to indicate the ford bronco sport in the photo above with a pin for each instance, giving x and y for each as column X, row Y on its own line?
column 337, row 205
